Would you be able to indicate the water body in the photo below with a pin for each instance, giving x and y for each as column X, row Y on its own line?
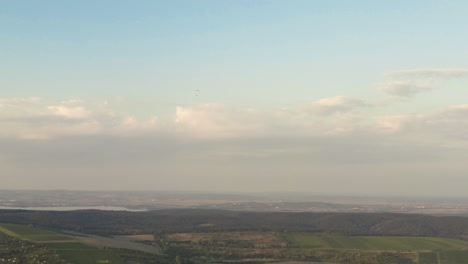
column 73, row 208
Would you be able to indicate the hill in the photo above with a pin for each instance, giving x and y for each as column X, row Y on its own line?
column 180, row 220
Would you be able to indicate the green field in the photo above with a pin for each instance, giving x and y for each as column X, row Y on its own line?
column 70, row 246
column 429, row 258
column 311, row 240
column 7, row 231
column 89, row 256
column 445, row 257
column 72, row 252
column 78, row 248
column 31, row 233
column 454, row 257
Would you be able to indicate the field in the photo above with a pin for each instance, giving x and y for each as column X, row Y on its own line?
column 117, row 242
column 79, row 248
column 444, row 257
column 31, row 233
column 75, row 253
column 311, row 240
column 243, row 246
column 454, row 256
column 233, row 247
column 239, row 239
column 429, row 257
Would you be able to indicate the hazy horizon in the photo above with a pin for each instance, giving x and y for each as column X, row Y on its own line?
column 353, row 98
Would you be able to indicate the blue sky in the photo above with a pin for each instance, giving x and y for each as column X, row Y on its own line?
column 121, row 47
column 276, row 81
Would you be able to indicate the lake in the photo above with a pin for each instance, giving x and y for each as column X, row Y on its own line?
column 73, row 208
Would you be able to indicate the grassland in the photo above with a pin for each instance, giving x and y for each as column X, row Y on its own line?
column 429, row 257
column 77, row 254
column 240, row 247
column 116, row 242
column 454, row 256
column 311, row 240
column 76, row 248
column 444, row 257
column 243, row 247
column 31, row 233
column 238, row 239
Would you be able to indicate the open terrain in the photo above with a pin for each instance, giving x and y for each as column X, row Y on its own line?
column 217, row 236
column 402, row 243
column 78, row 248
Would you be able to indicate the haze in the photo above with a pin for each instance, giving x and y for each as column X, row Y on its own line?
column 337, row 97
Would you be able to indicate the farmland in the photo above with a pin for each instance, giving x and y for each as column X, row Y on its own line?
column 71, row 247
column 454, row 256
column 31, row 233
column 311, row 240
column 15, row 250
column 243, row 247
column 78, row 253
column 211, row 236
column 429, row 257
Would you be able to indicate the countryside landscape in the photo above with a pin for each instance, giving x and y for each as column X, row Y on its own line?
column 200, row 234
column 233, row 132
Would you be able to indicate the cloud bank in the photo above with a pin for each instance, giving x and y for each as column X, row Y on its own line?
column 411, row 82
column 86, row 144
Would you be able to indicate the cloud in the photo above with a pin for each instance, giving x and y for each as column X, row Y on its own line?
column 410, row 82
column 430, row 73
column 405, row 88
column 320, row 143
column 69, row 112
column 333, row 105
column 218, row 121
column 393, row 124
column 447, row 124
column 212, row 121
column 331, row 117
column 450, row 122
column 38, row 119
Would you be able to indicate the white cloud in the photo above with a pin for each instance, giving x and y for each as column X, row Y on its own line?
column 430, row 73
column 392, row 124
column 131, row 126
column 410, row 82
column 69, row 112
column 449, row 123
column 405, row 88
column 334, row 116
column 333, row 105
column 212, row 121
column 36, row 119
column 222, row 143
column 217, row 121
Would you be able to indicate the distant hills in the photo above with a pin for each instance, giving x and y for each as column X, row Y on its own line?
column 206, row 220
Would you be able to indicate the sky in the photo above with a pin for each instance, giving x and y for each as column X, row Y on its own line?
column 322, row 97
